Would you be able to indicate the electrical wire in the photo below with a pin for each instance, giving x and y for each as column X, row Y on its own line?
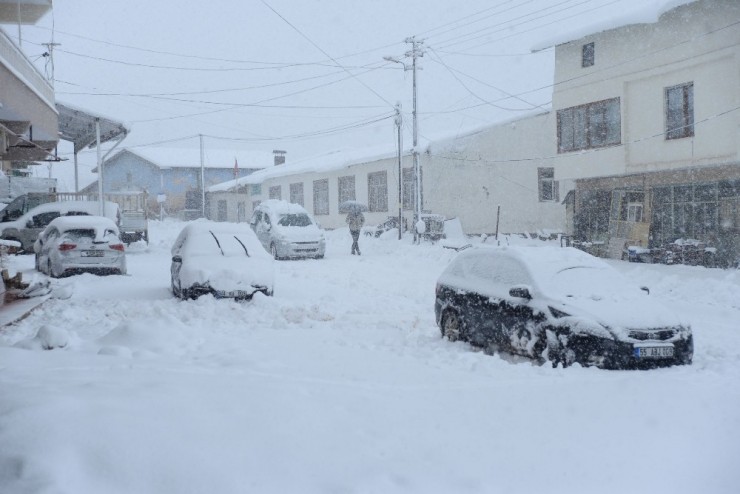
column 326, row 54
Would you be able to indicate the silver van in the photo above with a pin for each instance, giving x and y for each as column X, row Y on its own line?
column 27, row 227
column 287, row 231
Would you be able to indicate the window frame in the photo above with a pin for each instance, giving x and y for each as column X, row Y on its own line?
column 575, row 124
column 542, row 179
column 321, row 197
column 684, row 116
column 275, row 192
column 588, row 55
column 345, row 191
column 296, row 193
column 377, row 191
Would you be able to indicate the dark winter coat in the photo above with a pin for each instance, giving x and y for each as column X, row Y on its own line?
column 355, row 221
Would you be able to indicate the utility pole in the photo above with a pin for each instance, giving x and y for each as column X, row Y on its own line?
column 416, row 51
column 399, row 126
column 202, row 179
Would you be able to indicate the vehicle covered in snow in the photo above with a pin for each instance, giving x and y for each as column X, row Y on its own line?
column 222, row 259
column 287, row 231
column 80, row 244
column 557, row 304
column 26, row 228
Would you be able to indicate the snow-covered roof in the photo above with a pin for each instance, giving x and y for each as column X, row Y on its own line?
column 344, row 158
column 648, row 12
column 163, row 157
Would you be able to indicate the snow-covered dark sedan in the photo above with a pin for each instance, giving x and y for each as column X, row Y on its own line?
column 557, row 304
column 223, row 259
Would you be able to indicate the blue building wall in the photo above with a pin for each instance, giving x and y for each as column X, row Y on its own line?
column 127, row 171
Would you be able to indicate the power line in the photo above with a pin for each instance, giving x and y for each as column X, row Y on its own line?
column 556, row 21
column 326, row 54
column 509, row 95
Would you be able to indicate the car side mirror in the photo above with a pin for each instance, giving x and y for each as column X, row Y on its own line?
column 646, row 289
column 29, row 224
column 520, row 292
column 177, row 259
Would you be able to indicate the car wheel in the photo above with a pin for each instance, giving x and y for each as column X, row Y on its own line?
column 558, row 351
column 273, row 251
column 452, row 325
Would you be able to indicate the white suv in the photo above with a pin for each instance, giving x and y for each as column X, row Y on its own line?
column 286, row 230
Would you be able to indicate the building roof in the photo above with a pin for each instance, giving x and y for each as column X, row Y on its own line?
column 344, row 158
column 648, row 12
column 190, row 157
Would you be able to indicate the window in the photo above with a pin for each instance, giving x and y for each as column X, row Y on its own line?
column 241, row 211
column 679, row 111
column 634, row 212
column 377, row 191
column 346, row 189
column 256, row 189
column 221, row 215
column 587, row 55
column 321, row 196
column 275, row 192
column 296, row 193
column 546, row 184
column 408, row 188
column 589, row 126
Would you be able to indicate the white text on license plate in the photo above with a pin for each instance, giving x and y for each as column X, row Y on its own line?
column 92, row 253
column 654, row 351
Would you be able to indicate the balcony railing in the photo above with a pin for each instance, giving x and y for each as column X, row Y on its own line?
column 16, row 61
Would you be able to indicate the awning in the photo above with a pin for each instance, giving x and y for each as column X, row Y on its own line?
column 78, row 127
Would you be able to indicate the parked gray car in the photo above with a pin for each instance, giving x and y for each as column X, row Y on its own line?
column 76, row 244
column 27, row 227
column 286, row 230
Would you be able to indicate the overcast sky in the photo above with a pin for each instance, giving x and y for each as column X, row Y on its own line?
column 304, row 76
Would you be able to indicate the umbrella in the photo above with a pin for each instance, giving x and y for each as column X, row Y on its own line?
column 352, row 207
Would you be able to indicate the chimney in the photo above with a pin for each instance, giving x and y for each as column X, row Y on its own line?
column 279, row 156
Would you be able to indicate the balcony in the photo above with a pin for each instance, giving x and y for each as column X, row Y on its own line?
column 27, row 110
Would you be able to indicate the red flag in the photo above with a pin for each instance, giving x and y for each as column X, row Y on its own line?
column 236, row 168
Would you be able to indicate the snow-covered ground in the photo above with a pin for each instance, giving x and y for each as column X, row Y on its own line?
column 340, row 383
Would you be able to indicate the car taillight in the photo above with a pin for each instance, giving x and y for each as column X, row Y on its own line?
column 65, row 247
column 118, row 247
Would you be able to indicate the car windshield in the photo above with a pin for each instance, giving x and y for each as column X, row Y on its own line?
column 300, row 219
column 587, row 282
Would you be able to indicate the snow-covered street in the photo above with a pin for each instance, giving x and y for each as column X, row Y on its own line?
column 340, row 383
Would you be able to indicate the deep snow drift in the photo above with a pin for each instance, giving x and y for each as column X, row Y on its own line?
column 340, row 383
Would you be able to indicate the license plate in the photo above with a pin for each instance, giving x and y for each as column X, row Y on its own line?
column 654, row 352
column 92, row 253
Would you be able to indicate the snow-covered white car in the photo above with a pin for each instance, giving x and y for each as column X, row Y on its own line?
column 560, row 304
column 223, row 259
column 76, row 244
column 286, row 230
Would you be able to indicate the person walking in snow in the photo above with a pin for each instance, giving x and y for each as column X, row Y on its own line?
column 355, row 220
